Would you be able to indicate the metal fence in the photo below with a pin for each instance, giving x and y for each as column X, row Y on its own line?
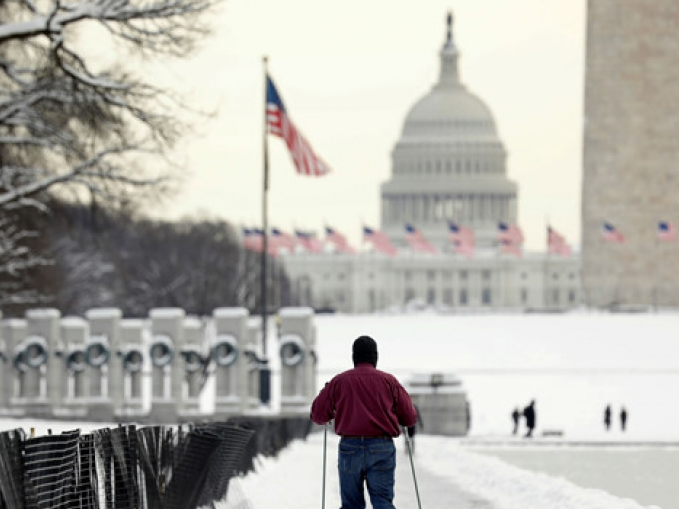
column 130, row 467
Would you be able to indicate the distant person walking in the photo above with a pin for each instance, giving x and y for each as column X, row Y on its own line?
column 529, row 415
column 369, row 407
column 623, row 419
column 607, row 417
column 515, row 418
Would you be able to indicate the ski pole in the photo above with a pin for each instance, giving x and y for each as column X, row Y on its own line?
column 412, row 466
column 325, row 448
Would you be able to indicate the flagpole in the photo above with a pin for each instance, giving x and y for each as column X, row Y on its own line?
column 265, row 372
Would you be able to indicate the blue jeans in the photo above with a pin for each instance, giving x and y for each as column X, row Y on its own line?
column 372, row 460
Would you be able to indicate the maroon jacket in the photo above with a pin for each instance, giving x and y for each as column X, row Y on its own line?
column 364, row 402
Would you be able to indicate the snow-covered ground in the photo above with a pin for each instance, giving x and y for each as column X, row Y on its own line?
column 573, row 365
column 448, row 476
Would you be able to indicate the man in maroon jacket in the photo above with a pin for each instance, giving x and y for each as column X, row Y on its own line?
column 368, row 407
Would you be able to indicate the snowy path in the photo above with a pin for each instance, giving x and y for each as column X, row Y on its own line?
column 436, row 490
column 448, row 477
column 300, row 469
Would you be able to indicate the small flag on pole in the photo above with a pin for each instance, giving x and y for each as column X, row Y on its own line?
column 556, row 243
column 309, row 241
column 338, row 240
column 279, row 124
column 510, row 233
column 252, row 239
column 510, row 238
column 667, row 232
column 462, row 238
column 282, row 240
column 379, row 240
column 417, row 242
column 611, row 234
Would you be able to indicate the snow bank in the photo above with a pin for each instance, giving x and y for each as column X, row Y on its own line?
column 509, row 487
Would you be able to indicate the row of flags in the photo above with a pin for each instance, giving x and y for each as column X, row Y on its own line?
column 462, row 239
column 665, row 232
column 279, row 241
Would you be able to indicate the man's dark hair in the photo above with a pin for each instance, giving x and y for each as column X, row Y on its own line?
column 364, row 350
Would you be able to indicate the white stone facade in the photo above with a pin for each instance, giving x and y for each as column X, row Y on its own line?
column 371, row 282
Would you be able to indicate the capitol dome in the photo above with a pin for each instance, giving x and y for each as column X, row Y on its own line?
column 450, row 111
column 449, row 165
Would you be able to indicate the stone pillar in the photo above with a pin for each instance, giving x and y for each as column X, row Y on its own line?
column 297, row 355
column 13, row 334
column 42, row 354
column 167, row 340
column 128, row 397
column 74, row 334
column 103, row 360
column 233, row 362
column 253, row 352
column 194, row 357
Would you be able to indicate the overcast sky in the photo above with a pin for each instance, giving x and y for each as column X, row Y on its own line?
column 349, row 72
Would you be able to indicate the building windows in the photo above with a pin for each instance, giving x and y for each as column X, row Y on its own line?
column 571, row 296
column 555, row 276
column 463, row 275
column 464, row 297
column 340, row 297
column 431, row 296
column 524, row 296
column 448, row 297
column 431, row 275
column 407, row 275
column 410, row 295
column 485, row 275
column 555, row 296
column 486, row 297
column 340, row 276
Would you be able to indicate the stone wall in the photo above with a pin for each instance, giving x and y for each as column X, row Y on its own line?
column 631, row 152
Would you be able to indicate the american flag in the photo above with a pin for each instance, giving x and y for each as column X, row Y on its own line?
column 283, row 240
column 280, row 124
column 417, row 242
column 462, row 238
column 379, row 240
column 252, row 239
column 338, row 240
column 510, row 248
column 556, row 243
column 309, row 241
column 509, row 234
column 667, row 232
column 611, row 234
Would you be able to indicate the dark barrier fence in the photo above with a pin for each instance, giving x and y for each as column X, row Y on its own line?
column 153, row 467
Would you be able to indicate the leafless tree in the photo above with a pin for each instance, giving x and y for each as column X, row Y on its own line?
column 70, row 126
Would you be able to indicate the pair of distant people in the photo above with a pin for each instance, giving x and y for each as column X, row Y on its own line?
column 529, row 414
column 608, row 414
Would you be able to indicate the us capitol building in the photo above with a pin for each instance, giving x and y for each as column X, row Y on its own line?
column 448, row 165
